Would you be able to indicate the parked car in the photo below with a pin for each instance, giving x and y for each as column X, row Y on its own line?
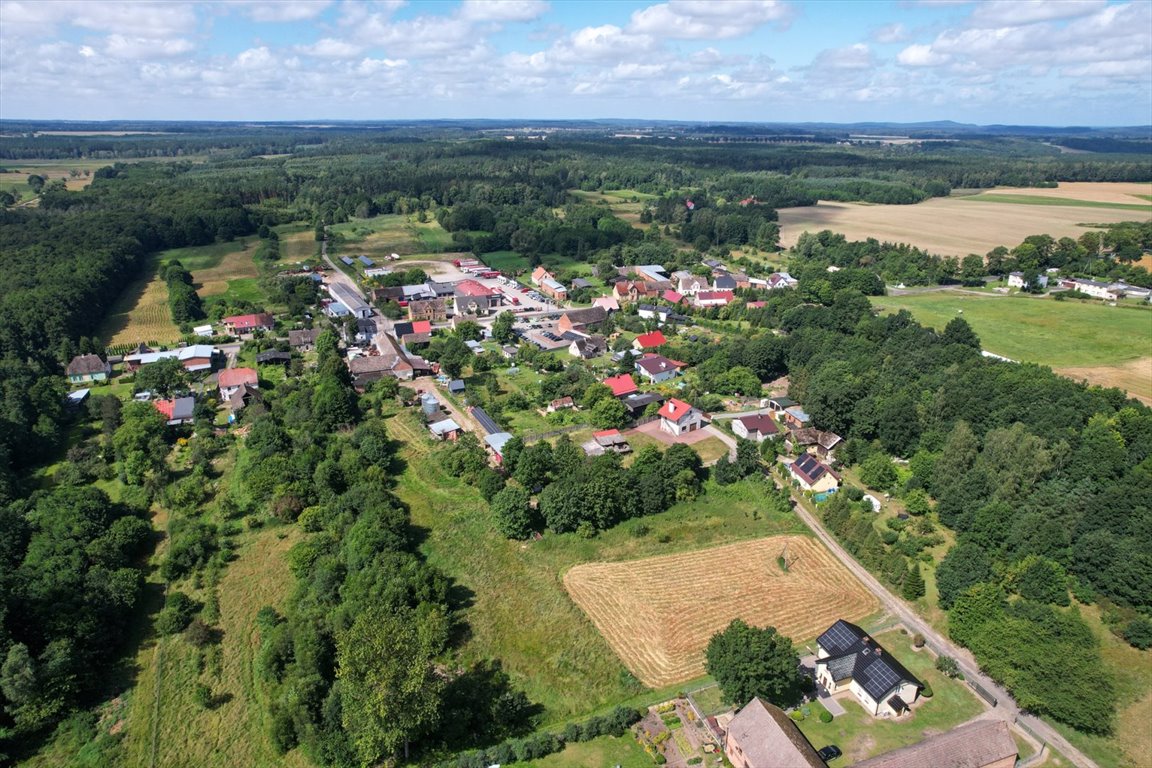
column 830, row 752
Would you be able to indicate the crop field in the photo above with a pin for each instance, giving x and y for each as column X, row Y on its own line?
column 1110, row 346
column 960, row 225
column 141, row 313
column 217, row 268
column 658, row 614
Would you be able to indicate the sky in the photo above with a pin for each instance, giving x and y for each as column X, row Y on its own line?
column 1029, row 62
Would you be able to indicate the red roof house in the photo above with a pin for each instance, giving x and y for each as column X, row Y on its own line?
column 714, row 298
column 232, row 379
column 650, row 340
column 249, row 323
column 678, row 417
column 421, row 326
column 621, row 385
column 672, row 297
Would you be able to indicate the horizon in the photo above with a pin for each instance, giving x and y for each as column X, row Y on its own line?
column 1004, row 62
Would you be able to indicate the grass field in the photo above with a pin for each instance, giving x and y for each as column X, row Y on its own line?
column 626, row 204
column 623, row 751
column 859, row 735
column 519, row 611
column 964, row 224
column 506, row 261
column 659, row 613
column 381, row 236
column 221, row 269
column 1094, row 339
column 141, row 313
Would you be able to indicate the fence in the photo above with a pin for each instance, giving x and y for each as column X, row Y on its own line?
column 982, row 692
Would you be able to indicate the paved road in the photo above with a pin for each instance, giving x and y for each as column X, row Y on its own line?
column 1007, row 708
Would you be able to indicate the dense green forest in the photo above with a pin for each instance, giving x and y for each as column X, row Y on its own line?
column 1046, row 483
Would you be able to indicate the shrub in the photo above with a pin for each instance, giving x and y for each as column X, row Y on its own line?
column 659, row 759
column 177, row 614
column 1139, row 632
column 203, row 695
column 825, row 716
column 927, row 692
column 198, row 633
column 918, row 640
column 796, row 715
column 695, row 760
column 948, row 666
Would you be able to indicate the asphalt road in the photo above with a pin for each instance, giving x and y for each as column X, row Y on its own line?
column 1006, row 709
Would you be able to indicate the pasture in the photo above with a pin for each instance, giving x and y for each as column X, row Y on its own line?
column 220, row 268
column 517, row 609
column 625, row 204
column 964, row 224
column 383, row 235
column 659, row 613
column 1106, row 345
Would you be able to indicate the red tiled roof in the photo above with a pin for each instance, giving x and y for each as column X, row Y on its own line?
column 165, row 407
column 421, row 326
column 672, row 297
column 675, row 410
column 246, row 322
column 234, row 377
column 649, row 340
column 715, row 295
column 620, row 385
column 472, row 288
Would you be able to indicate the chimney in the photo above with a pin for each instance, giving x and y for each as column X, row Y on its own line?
column 671, row 407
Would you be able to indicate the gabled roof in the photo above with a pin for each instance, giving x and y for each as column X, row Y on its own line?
column 768, row 738
column 300, row 338
column 85, row 365
column 587, row 316
column 421, row 326
column 672, row 297
column 487, row 422
column 620, row 385
column 677, row 410
column 853, row 654
column 809, row 468
column 234, row 377
column 247, row 322
column 273, row 355
column 724, row 283
column 238, row 399
column 726, row 296
column 654, row 365
column 456, row 385
column 177, row 409
column 608, row 303
column 497, row 440
column 759, row 423
column 974, row 745
column 444, row 427
column 472, row 288
column 651, row 340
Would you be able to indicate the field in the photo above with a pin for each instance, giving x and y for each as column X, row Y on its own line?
column 384, row 235
column 1111, row 346
column 141, row 312
column 626, row 204
column 220, row 268
column 518, row 610
column 659, row 613
column 959, row 225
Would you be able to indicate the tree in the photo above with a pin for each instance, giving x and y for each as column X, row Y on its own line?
column 959, row 332
column 514, row 514
column 534, row 465
column 609, row 413
column 877, row 472
column 963, row 566
column 502, row 328
column 390, row 689
column 749, row 662
column 139, row 442
column 162, row 377
column 594, row 394
column 913, row 587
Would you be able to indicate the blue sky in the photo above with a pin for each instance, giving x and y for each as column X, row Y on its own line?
column 1083, row 62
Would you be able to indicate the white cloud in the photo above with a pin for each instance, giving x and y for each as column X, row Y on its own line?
column 890, row 33
column 502, row 10
column 331, row 48
column 708, row 19
column 146, row 19
column 1010, row 13
column 124, row 47
column 852, row 57
column 918, row 55
column 283, row 10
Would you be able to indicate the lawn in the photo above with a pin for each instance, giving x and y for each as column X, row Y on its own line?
column 860, row 735
column 622, row 751
column 1037, row 330
column 381, row 236
column 519, row 611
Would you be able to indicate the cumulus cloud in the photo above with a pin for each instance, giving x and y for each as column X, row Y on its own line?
column 890, row 33
column 852, row 57
column 709, row 19
column 918, row 55
column 146, row 19
column 331, row 48
column 1008, row 13
column 502, row 10
column 124, row 47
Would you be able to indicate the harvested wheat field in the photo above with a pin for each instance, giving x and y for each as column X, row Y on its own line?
column 960, row 225
column 659, row 613
column 1135, row 377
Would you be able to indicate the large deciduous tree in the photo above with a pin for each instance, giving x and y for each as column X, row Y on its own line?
column 747, row 661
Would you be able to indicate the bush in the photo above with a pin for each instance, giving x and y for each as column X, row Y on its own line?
column 948, row 666
column 1138, row 632
column 918, row 640
column 825, row 716
column 695, row 760
column 203, row 695
column 796, row 715
column 927, row 692
column 199, row 634
column 177, row 614
column 659, row 759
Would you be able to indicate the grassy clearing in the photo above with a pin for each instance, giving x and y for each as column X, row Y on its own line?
column 141, row 313
column 993, row 197
column 221, row 268
column 518, row 609
column 510, row 262
column 1037, row 330
column 860, row 735
column 623, row 751
column 381, row 236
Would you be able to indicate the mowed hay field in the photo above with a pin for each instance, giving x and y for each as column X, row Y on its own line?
column 1110, row 346
column 658, row 614
column 141, row 314
column 960, row 225
column 216, row 268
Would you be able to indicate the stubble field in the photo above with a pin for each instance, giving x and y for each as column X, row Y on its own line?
column 960, row 225
column 658, row 614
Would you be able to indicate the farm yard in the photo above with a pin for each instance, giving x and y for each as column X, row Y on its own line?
column 659, row 613
column 964, row 224
column 1110, row 346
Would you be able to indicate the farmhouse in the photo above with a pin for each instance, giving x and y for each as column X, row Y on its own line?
column 1016, row 280
column 577, row 319
column 238, row 324
column 657, row 368
column 242, row 398
column 781, row 280
column 197, row 357
column 303, row 340
column 690, row 285
column 588, row 347
column 714, row 298
column 763, row 736
column 349, row 299
column 982, row 744
column 472, row 298
column 433, row 310
column 758, row 427
column 232, row 379
column 812, row 440
column 724, row 282
column 369, row 368
column 812, row 475
column 176, row 411
column 678, row 417
column 85, row 368
column 621, row 385
column 649, row 340
column 633, row 290
column 848, row 659
column 1093, row 288
column 540, row 274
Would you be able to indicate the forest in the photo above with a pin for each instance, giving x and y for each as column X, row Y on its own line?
column 1046, row 484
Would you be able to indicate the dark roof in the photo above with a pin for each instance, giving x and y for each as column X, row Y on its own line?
column 587, row 316
column 638, row 402
column 487, row 422
column 456, row 385
column 975, row 745
column 759, row 423
column 365, row 325
column 724, row 283
column 767, row 738
column 581, row 283
column 853, row 654
column 86, row 364
column 401, row 329
column 273, row 355
column 299, row 338
column 783, row 402
column 809, row 467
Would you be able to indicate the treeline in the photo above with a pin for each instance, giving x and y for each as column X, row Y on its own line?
column 183, row 301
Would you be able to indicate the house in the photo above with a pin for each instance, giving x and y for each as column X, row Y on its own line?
column 724, row 282
column 176, row 411
column 303, row 340
column 638, row 403
column 633, row 291
column 763, row 736
column 848, row 659
column 85, row 368
column 777, row 405
column 393, row 360
column 621, row 385
column 509, row 351
column 657, row 368
column 496, row 442
column 231, row 379
column 1093, row 288
column 982, row 744
column 365, row 329
column 810, row 439
column 781, row 280
column 553, row 288
column 242, row 398
column 238, row 324
column 796, row 417
column 607, row 303
column 540, row 274
column 350, row 299
column 579, row 319
column 714, row 298
column 273, row 356
column 588, row 347
column 678, row 417
column 561, row 404
column 415, row 333
column 446, row 429
column 456, row 386
column 812, row 475
column 471, row 298
column 433, row 310
column 611, row 440
column 672, row 297
column 759, row 427
column 649, row 340
column 690, row 285
column 197, row 357
column 1016, row 280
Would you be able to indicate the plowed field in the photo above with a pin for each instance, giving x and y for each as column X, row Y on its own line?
column 659, row 613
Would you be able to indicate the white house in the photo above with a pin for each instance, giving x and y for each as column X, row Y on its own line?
column 678, row 417
column 1016, row 280
column 758, row 427
column 848, row 659
column 812, row 475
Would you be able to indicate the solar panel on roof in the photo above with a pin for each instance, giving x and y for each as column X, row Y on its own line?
column 881, row 678
column 840, row 637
